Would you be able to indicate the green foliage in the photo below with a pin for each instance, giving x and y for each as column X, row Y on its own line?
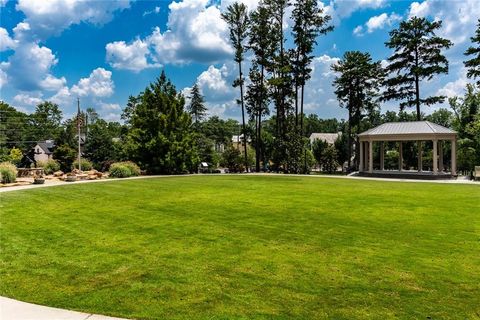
column 357, row 89
column 124, row 169
column 232, row 159
column 441, row 117
column 467, row 124
column 341, row 145
column 473, row 64
column 330, row 159
column 318, row 146
column 8, row 172
column 84, row 164
column 46, row 121
column 10, row 121
column 50, row 166
column 160, row 136
column 197, row 107
column 102, row 142
column 65, row 155
column 15, row 155
column 417, row 57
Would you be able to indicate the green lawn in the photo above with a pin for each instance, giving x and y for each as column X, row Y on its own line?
column 244, row 247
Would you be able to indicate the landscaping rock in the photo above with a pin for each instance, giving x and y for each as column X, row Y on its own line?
column 58, row 174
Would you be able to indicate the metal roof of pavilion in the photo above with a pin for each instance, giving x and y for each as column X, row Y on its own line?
column 408, row 128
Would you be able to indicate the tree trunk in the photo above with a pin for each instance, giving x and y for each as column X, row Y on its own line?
column 417, row 87
column 349, row 137
column 243, row 116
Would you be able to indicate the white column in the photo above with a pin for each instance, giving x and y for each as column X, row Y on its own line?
column 420, row 156
column 360, row 167
column 400, row 156
column 370, row 156
column 382, row 155
column 454, row 157
column 435, row 157
column 440, row 156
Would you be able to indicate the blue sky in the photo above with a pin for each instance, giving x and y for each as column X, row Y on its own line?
column 104, row 51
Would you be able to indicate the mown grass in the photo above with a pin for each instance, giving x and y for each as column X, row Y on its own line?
column 246, row 247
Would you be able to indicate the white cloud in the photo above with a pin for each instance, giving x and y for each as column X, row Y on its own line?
column 132, row 56
column 319, row 92
column 29, row 67
column 344, row 8
column 381, row 21
column 98, row 84
column 29, row 99
column 109, row 106
column 195, row 33
column 53, row 16
column 459, row 17
column 156, row 10
column 51, row 83
column 358, row 31
column 377, row 22
column 3, row 78
column 6, row 42
column 455, row 87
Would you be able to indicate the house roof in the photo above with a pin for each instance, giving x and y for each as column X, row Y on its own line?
column 47, row 146
column 408, row 130
column 329, row 138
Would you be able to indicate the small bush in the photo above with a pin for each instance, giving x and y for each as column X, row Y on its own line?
column 8, row 172
column 124, row 169
column 85, row 164
column 49, row 166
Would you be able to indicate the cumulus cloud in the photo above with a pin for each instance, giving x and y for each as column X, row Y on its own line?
column 29, row 99
column 377, row 22
column 459, row 17
column 455, row 87
column 3, row 78
column 52, row 17
column 35, row 61
column 319, row 92
column 6, row 42
column 340, row 9
column 131, row 56
column 195, row 33
column 98, row 84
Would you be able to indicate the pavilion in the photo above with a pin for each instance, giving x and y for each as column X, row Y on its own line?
column 419, row 132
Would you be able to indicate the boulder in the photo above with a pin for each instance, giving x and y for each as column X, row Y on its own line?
column 58, row 174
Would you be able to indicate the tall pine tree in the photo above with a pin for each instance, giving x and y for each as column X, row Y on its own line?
column 236, row 17
column 197, row 107
column 260, row 42
column 356, row 87
column 309, row 23
column 473, row 65
column 417, row 56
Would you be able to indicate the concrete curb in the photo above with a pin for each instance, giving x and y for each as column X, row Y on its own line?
column 11, row 309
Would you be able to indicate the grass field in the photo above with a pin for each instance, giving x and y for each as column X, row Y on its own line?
column 246, row 247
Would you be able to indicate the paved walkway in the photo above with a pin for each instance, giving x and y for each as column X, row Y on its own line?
column 17, row 310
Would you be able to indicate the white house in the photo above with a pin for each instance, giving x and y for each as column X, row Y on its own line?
column 44, row 150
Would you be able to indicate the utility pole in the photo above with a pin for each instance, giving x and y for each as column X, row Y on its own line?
column 79, row 123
